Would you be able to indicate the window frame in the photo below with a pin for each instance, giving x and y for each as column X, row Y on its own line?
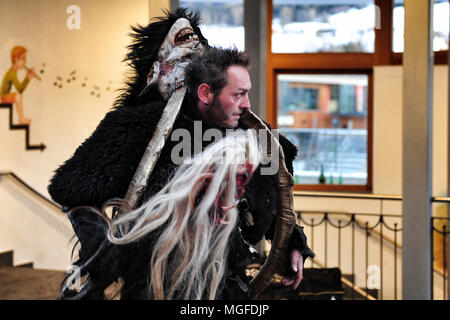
column 352, row 62
column 334, row 187
column 320, row 63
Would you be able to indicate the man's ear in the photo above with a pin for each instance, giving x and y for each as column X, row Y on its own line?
column 204, row 93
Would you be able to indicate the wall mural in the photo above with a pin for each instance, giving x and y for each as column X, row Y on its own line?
column 10, row 79
column 12, row 89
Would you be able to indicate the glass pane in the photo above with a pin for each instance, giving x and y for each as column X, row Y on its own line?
column 440, row 25
column 325, row 116
column 222, row 21
column 300, row 26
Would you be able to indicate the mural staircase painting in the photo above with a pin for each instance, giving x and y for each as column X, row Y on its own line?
column 26, row 127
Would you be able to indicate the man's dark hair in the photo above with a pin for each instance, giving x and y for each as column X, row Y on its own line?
column 211, row 67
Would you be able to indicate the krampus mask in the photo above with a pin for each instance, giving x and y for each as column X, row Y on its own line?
column 159, row 52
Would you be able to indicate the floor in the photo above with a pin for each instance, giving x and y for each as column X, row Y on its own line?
column 29, row 284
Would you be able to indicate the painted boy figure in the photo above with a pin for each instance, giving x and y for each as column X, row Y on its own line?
column 18, row 59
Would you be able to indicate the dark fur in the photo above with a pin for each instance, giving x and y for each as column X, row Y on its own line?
column 102, row 167
column 119, row 141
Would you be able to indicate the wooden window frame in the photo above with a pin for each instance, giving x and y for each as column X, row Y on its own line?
column 273, row 116
column 339, row 63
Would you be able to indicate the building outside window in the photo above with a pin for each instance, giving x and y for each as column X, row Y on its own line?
column 222, row 21
column 440, row 25
column 300, row 26
column 320, row 61
column 325, row 116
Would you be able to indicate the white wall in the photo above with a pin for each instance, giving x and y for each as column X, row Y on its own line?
column 388, row 130
column 61, row 117
column 35, row 230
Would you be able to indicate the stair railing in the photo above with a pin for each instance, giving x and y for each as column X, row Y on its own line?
column 385, row 227
column 30, row 188
column 440, row 231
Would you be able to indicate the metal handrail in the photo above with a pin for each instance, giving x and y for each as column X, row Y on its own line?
column 367, row 196
column 440, row 199
column 434, row 199
column 30, row 188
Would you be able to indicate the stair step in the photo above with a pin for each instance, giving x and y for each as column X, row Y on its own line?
column 6, row 259
column 349, row 277
column 18, row 283
column 351, row 294
column 25, row 265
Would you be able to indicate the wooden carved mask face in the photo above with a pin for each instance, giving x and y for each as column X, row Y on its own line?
column 176, row 51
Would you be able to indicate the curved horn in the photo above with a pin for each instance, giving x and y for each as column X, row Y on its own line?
column 285, row 219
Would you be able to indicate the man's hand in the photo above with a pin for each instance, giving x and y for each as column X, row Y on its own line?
column 297, row 266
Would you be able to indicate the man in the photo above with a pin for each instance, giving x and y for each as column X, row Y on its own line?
column 102, row 168
column 219, row 84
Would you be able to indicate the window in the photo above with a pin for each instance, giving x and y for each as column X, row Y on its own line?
column 440, row 25
column 320, row 57
column 221, row 21
column 323, row 26
column 325, row 116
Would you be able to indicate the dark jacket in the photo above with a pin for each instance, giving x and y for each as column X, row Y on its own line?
column 102, row 168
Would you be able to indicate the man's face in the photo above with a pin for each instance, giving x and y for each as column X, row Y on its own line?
column 226, row 108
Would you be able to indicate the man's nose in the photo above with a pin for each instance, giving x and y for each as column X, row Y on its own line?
column 246, row 103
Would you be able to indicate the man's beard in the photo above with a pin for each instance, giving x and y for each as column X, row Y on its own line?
column 216, row 114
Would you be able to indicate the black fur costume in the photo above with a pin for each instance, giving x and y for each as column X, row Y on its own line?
column 102, row 168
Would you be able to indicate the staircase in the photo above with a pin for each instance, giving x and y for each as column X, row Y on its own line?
column 354, row 293
column 26, row 127
column 317, row 284
column 22, row 282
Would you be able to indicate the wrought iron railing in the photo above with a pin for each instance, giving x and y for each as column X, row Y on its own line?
column 440, row 247
column 367, row 246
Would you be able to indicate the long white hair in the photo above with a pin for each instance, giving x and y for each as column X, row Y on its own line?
column 197, row 213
